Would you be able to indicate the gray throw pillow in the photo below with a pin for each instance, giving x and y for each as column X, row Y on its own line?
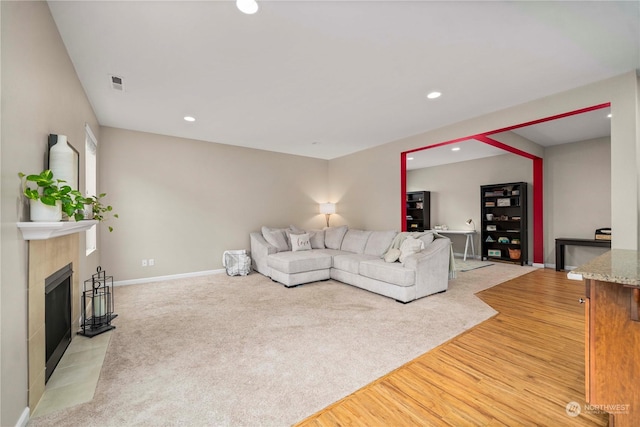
column 333, row 236
column 410, row 246
column 317, row 239
column 276, row 237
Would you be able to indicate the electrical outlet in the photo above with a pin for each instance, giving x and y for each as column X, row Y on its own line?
column 152, row 262
column 144, row 262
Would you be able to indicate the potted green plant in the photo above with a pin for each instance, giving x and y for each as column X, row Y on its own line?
column 94, row 208
column 51, row 197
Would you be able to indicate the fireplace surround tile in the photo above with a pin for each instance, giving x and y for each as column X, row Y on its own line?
column 45, row 258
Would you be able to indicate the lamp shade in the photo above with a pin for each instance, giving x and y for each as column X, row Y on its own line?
column 327, row 208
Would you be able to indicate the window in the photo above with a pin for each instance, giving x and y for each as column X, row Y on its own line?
column 91, row 181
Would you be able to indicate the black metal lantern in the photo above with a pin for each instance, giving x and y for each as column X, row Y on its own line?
column 97, row 304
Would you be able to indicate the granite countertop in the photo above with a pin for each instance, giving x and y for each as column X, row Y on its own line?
column 617, row 266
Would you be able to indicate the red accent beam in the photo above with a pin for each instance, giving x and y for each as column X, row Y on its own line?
column 538, row 211
column 505, row 147
column 546, row 119
column 403, row 191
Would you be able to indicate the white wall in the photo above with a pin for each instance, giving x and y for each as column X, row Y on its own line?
column 183, row 202
column 577, row 196
column 455, row 191
column 41, row 94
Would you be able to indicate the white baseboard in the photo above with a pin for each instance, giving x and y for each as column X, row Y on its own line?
column 24, row 418
column 169, row 277
column 538, row 265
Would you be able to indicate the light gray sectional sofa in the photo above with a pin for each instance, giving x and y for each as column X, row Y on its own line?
column 355, row 257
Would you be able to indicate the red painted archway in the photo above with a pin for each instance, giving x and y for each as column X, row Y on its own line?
column 538, row 174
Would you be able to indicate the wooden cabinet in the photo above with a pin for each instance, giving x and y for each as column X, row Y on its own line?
column 418, row 210
column 612, row 349
column 504, row 222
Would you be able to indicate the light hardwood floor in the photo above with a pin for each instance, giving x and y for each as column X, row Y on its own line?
column 520, row 368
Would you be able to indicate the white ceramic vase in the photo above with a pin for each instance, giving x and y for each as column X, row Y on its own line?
column 62, row 162
column 45, row 213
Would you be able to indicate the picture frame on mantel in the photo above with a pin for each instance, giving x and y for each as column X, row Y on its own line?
column 53, row 140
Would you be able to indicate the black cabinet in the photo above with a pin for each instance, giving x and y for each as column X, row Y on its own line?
column 504, row 222
column 418, row 211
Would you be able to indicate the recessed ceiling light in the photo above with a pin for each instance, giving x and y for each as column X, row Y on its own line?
column 433, row 95
column 409, row 158
column 247, row 6
column 609, row 115
column 455, row 149
column 189, row 118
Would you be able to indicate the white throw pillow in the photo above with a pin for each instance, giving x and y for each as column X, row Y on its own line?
column 410, row 246
column 300, row 242
column 276, row 237
column 392, row 255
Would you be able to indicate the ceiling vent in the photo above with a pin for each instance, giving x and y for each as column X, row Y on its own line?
column 117, row 83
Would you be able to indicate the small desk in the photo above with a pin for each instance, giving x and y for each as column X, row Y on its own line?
column 565, row 241
column 468, row 233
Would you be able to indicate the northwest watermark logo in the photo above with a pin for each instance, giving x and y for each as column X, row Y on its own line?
column 574, row 409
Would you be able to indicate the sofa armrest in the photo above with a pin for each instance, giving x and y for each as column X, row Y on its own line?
column 260, row 250
column 432, row 267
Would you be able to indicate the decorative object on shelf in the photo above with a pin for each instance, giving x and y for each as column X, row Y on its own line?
column 97, row 304
column 491, row 227
column 55, row 194
column 39, row 212
column 514, row 253
column 489, row 239
column 489, row 204
column 470, row 222
column 495, row 252
column 49, row 198
column 504, row 202
column 603, row 234
column 327, row 209
column 63, row 160
column 503, row 240
column 489, row 217
column 504, row 218
column 515, row 241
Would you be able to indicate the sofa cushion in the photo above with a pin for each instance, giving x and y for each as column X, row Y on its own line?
column 390, row 272
column 427, row 238
column 355, row 241
column 333, row 236
column 379, row 242
column 300, row 242
column 299, row 262
column 351, row 262
column 316, row 237
column 276, row 237
column 410, row 246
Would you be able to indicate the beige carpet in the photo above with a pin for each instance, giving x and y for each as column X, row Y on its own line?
column 244, row 351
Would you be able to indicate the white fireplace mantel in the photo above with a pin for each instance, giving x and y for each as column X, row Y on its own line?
column 49, row 230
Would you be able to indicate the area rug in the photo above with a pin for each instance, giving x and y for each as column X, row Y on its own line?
column 470, row 264
column 245, row 351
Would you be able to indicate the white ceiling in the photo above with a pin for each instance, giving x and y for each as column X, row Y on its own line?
column 329, row 78
column 579, row 127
